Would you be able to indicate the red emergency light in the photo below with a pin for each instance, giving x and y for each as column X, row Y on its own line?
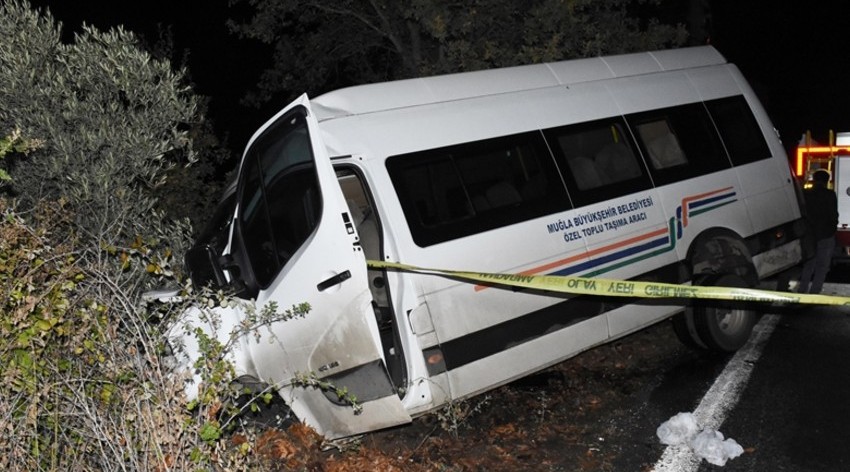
column 807, row 153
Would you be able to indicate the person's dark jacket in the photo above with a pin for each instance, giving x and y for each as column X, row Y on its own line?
column 821, row 211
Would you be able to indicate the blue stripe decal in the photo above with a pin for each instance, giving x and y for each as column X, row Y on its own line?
column 613, row 256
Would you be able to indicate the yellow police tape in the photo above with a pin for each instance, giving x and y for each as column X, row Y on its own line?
column 620, row 288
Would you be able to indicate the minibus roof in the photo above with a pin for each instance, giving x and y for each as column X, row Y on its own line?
column 383, row 96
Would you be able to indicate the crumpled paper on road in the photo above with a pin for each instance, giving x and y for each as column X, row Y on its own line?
column 707, row 444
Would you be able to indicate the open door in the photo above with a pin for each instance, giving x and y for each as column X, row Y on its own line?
column 295, row 242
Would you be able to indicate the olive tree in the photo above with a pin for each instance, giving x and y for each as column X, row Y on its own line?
column 112, row 118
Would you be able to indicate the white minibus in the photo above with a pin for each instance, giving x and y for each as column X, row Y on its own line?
column 656, row 166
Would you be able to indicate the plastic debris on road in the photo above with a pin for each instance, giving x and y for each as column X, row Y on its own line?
column 679, row 429
column 708, row 444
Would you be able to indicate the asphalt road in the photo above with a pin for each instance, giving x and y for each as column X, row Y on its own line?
column 791, row 409
column 795, row 410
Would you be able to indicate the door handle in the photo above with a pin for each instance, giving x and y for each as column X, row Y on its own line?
column 336, row 279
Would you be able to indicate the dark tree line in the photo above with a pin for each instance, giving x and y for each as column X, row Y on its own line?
column 320, row 45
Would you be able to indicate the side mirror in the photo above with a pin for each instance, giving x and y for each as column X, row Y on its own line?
column 203, row 266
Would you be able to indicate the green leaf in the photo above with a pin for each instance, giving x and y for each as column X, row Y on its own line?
column 43, row 325
column 210, row 431
column 23, row 358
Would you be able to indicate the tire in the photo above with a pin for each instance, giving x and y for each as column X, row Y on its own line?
column 683, row 323
column 723, row 326
column 683, row 326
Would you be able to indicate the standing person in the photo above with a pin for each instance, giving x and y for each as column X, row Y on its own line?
column 822, row 215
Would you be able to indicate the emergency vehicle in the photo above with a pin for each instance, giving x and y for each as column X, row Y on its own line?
column 835, row 159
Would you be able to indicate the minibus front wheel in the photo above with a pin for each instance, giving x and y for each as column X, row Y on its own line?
column 723, row 326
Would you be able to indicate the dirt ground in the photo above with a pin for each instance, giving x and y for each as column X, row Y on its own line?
column 550, row 421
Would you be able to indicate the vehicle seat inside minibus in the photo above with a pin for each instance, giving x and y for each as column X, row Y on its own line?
column 617, row 163
column 664, row 151
column 497, row 195
column 502, row 194
column 585, row 173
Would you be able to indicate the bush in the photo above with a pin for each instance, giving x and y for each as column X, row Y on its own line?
column 75, row 383
column 84, row 384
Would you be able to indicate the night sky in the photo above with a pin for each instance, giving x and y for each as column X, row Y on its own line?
column 794, row 57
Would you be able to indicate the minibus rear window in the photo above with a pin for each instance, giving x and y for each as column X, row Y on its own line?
column 456, row 191
column 738, row 129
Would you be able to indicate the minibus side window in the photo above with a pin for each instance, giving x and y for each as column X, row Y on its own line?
column 738, row 129
column 678, row 143
column 280, row 202
column 456, row 191
column 598, row 159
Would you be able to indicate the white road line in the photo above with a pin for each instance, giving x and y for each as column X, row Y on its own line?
column 721, row 397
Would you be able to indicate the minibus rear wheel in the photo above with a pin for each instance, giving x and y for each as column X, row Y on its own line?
column 723, row 326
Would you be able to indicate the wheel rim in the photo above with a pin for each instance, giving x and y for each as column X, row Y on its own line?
column 732, row 320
